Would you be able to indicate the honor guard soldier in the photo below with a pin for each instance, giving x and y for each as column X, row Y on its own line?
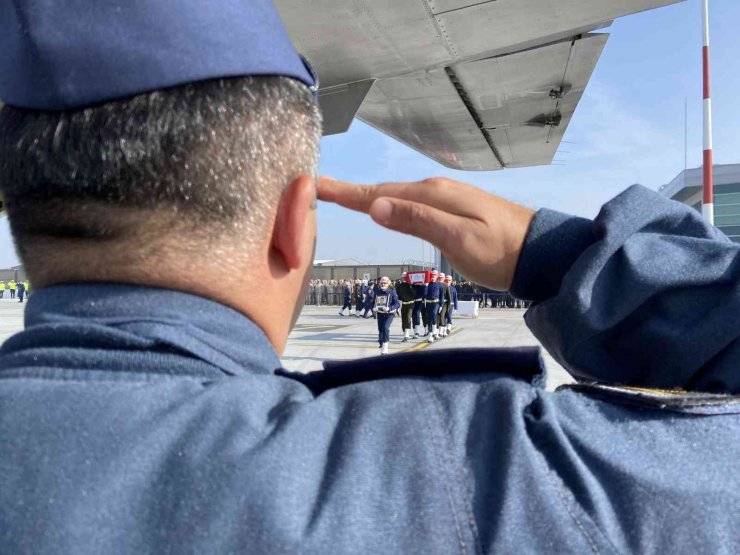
column 145, row 408
column 419, row 314
column 368, row 295
column 444, row 304
column 385, row 305
column 359, row 298
column 452, row 308
column 406, row 295
column 432, row 300
column 346, row 298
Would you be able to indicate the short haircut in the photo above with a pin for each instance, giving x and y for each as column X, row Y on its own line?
column 210, row 157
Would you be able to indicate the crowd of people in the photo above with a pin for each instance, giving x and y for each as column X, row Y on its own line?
column 15, row 289
column 330, row 292
column 426, row 309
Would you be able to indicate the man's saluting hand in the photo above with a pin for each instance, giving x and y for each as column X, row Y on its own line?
column 479, row 233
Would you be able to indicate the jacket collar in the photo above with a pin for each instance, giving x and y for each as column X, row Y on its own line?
column 202, row 328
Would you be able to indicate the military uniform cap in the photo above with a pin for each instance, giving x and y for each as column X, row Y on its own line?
column 66, row 54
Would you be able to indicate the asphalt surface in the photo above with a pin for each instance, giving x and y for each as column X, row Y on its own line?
column 322, row 334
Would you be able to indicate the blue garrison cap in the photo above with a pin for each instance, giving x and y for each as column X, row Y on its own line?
column 62, row 54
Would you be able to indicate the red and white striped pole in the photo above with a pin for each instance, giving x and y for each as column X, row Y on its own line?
column 707, row 207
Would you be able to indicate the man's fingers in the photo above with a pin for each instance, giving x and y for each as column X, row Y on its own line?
column 444, row 194
column 483, row 233
column 417, row 219
column 349, row 195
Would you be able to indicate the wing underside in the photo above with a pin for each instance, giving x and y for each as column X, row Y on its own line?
column 474, row 84
column 505, row 111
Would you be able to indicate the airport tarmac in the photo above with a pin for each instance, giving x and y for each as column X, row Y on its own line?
column 11, row 316
column 321, row 334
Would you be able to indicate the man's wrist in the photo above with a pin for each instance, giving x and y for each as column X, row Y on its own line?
column 552, row 245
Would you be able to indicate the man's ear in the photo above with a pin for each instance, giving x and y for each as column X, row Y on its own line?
column 291, row 235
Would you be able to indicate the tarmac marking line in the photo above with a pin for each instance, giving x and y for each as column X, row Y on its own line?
column 331, row 345
column 337, row 345
column 304, row 327
column 297, row 342
column 418, row 347
column 425, row 344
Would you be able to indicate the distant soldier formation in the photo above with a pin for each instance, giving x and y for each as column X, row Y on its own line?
column 336, row 292
column 425, row 308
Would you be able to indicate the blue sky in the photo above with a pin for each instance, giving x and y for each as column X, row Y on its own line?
column 628, row 128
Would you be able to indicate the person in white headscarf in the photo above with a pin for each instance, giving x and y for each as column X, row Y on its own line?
column 386, row 304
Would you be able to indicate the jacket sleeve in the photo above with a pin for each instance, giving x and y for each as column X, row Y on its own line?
column 648, row 294
column 395, row 303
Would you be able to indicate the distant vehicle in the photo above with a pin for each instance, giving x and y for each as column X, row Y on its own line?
column 475, row 85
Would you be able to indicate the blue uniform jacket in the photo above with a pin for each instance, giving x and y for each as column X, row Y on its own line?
column 420, row 291
column 347, row 291
column 393, row 302
column 434, row 291
column 138, row 420
column 453, row 295
column 368, row 297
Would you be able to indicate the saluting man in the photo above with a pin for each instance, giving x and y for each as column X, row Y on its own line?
column 453, row 306
column 406, row 295
column 432, row 300
column 21, row 289
column 386, row 304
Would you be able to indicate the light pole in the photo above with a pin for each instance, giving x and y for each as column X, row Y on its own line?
column 707, row 207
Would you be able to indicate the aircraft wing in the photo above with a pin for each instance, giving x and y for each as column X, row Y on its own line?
column 475, row 85
column 504, row 111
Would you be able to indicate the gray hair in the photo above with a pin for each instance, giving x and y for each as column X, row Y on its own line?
column 210, row 158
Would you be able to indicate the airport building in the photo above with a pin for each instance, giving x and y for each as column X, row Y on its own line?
column 16, row 273
column 686, row 187
column 353, row 269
